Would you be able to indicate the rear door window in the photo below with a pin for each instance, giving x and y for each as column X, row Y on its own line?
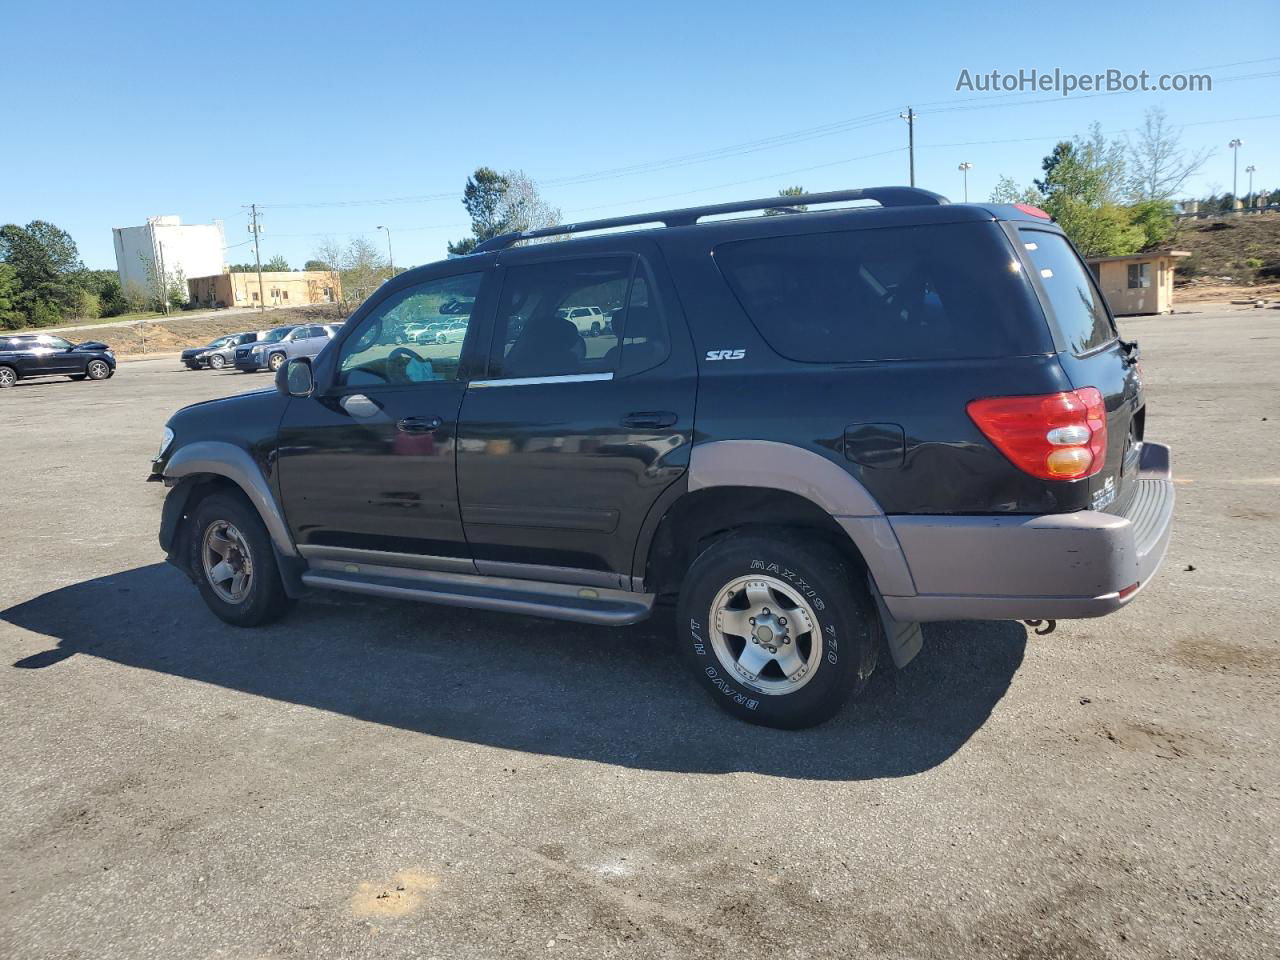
column 943, row 291
column 1078, row 307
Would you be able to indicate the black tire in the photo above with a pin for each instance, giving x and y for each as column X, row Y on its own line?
column 97, row 370
column 8, row 376
column 216, row 362
column 844, row 616
column 275, row 361
column 265, row 599
column 596, row 329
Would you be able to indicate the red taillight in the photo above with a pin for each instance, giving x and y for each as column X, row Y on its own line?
column 1031, row 211
column 1053, row 436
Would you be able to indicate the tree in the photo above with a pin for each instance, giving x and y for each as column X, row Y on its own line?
column 1082, row 184
column 45, row 264
column 277, row 264
column 318, row 266
column 11, row 317
column 1007, row 190
column 501, row 203
column 787, row 192
column 355, row 270
column 1158, row 164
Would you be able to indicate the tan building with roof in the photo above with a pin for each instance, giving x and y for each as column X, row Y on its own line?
column 1138, row 282
column 278, row 289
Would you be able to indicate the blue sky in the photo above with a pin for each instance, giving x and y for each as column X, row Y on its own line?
column 132, row 110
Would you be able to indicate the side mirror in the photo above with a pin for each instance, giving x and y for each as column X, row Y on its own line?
column 295, row 378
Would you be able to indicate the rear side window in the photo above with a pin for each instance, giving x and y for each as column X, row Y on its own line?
column 909, row 293
column 1077, row 305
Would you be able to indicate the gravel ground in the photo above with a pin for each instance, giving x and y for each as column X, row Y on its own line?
column 374, row 779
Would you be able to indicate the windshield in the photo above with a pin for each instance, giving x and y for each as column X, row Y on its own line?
column 279, row 333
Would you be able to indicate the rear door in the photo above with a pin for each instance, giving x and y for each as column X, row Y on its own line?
column 569, row 440
column 1092, row 354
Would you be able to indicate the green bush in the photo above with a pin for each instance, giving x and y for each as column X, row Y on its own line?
column 45, row 314
column 1254, row 263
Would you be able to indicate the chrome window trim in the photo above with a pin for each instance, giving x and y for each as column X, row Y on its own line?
column 530, row 381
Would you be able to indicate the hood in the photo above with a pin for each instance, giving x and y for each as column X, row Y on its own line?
column 91, row 345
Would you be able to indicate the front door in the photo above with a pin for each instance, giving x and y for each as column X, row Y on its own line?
column 367, row 464
column 570, row 439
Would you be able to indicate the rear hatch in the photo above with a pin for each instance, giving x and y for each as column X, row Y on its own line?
column 1092, row 355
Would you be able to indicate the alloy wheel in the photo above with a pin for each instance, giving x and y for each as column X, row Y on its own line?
column 228, row 565
column 766, row 633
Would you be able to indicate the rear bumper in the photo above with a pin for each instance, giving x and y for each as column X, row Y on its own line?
column 1058, row 566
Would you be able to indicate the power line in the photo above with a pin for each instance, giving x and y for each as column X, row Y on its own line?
column 777, row 140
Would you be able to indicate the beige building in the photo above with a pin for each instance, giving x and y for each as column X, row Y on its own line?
column 284, row 289
column 1139, row 282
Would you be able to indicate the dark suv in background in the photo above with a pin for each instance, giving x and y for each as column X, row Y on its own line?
column 814, row 430
column 27, row 355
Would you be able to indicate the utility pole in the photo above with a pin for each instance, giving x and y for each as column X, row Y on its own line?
column 164, row 279
column 1235, row 146
column 390, row 258
column 964, row 168
column 910, row 117
column 255, row 229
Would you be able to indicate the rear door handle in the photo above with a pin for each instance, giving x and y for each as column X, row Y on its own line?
column 419, row 424
column 649, row 419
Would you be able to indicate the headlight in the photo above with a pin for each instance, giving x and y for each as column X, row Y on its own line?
column 165, row 441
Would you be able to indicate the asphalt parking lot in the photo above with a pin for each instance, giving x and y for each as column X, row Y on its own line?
column 379, row 779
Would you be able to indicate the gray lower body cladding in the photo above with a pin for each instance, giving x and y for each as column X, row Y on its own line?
column 1058, row 566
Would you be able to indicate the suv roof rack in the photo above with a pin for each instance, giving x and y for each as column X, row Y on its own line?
column 885, row 196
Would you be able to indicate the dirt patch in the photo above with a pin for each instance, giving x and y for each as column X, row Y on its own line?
column 1216, row 655
column 170, row 336
column 404, row 894
column 1245, row 250
column 1152, row 738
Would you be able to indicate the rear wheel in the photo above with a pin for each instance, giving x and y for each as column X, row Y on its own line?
column 231, row 559
column 780, row 630
column 97, row 370
column 8, row 377
column 217, row 362
column 596, row 329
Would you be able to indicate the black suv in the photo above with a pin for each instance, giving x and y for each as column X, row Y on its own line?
column 816, row 430
column 27, row 355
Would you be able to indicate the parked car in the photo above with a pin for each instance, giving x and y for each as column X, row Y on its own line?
column 23, row 356
column 815, row 432
column 590, row 321
column 271, row 351
column 219, row 353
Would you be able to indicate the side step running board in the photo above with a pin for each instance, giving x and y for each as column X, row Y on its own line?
column 557, row 601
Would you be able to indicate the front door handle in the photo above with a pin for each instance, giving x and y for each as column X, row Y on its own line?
column 419, row 424
column 649, row 419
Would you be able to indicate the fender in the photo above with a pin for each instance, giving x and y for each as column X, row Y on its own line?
column 793, row 469
column 227, row 460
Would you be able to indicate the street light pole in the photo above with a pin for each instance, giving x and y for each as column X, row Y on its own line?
column 390, row 258
column 1235, row 166
column 965, row 168
column 1250, row 169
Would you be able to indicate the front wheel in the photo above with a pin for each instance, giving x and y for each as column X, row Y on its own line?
column 97, row 370
column 275, row 362
column 780, row 630
column 231, row 560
